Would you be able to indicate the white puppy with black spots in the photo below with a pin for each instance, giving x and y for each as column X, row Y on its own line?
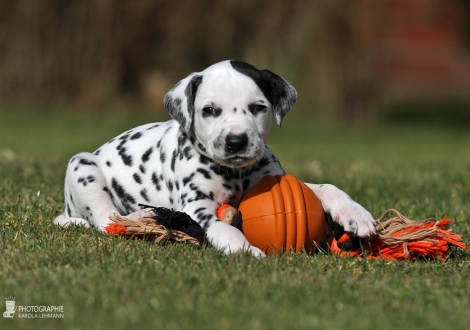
column 211, row 153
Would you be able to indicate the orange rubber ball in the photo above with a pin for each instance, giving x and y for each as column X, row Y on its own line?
column 282, row 213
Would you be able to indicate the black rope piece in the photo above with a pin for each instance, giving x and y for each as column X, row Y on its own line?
column 176, row 220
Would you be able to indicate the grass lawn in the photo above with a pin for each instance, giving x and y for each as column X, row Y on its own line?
column 112, row 283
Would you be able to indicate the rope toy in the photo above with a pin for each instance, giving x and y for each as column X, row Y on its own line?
column 167, row 226
column 402, row 238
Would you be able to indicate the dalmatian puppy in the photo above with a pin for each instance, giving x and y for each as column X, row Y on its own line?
column 212, row 152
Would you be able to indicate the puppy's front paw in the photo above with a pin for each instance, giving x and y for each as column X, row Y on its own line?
column 230, row 240
column 354, row 219
column 144, row 213
column 256, row 252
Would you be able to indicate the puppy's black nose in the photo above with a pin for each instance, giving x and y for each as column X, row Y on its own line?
column 235, row 143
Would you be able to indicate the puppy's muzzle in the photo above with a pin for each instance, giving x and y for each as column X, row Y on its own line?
column 235, row 143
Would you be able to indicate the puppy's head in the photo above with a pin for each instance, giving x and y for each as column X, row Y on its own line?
column 229, row 109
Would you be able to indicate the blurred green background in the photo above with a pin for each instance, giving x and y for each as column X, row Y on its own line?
column 357, row 61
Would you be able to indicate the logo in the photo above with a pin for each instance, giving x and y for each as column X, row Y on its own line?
column 32, row 312
column 10, row 306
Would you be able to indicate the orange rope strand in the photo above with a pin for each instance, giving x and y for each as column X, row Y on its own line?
column 402, row 238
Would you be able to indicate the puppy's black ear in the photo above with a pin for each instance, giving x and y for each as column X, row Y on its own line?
column 278, row 91
column 283, row 94
column 179, row 101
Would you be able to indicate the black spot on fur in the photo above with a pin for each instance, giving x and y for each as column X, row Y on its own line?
column 162, row 157
column 173, row 160
column 126, row 199
column 188, row 179
column 146, row 155
column 263, row 162
column 237, row 187
column 204, row 160
column 97, row 152
column 199, row 210
column 200, row 195
column 144, row 195
column 69, row 212
column 124, row 137
column 137, row 178
column 204, row 172
column 201, row 147
column 227, row 186
column 156, row 181
column 136, row 136
column 86, row 162
column 153, row 126
column 108, row 163
column 142, row 168
column 183, row 198
column 187, row 153
column 205, row 220
column 126, row 159
column 182, row 140
column 227, row 173
column 177, row 100
column 201, row 216
column 83, row 181
column 169, row 185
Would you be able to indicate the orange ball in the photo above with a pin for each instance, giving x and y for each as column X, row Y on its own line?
column 282, row 213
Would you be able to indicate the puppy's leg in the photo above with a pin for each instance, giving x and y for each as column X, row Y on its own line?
column 88, row 200
column 350, row 215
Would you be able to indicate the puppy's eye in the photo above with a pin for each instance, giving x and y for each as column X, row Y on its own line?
column 210, row 111
column 255, row 108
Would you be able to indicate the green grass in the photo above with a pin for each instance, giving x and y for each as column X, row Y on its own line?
column 111, row 283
